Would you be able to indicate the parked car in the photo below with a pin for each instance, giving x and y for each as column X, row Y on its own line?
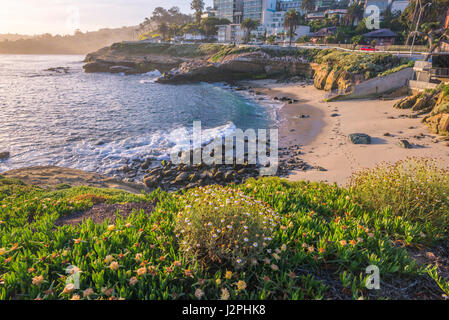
column 367, row 49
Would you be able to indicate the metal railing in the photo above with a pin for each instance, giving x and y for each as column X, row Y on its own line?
column 439, row 72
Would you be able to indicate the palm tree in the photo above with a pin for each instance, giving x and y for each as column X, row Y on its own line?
column 249, row 25
column 308, row 5
column 198, row 7
column 355, row 11
column 291, row 20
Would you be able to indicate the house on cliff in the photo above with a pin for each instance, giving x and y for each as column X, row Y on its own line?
column 322, row 34
column 382, row 37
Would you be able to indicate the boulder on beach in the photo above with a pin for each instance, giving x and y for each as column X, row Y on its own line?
column 404, row 144
column 360, row 138
column 4, row 155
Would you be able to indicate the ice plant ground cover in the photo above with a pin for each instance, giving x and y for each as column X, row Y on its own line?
column 317, row 246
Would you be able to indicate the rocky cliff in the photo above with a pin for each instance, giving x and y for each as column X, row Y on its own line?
column 341, row 70
column 432, row 103
column 247, row 65
column 331, row 69
column 194, row 63
column 141, row 57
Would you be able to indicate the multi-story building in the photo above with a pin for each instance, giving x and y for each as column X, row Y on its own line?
column 287, row 5
column 229, row 9
column 231, row 33
column 399, row 5
column 324, row 4
column 254, row 9
column 269, row 13
column 392, row 5
column 381, row 4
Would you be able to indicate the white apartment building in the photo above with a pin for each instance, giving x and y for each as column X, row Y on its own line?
column 270, row 14
column 231, row 33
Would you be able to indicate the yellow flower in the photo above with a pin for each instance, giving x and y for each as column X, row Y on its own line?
column 343, row 242
column 228, row 275
column 111, row 227
column 114, row 266
column 88, row 292
column 138, row 256
column 108, row 259
column 241, row 285
column 283, row 247
column 141, row 271
column 38, row 280
column 128, row 225
column 2, row 251
column 218, row 281
column 199, row 293
column 276, row 256
column 69, row 288
column 75, row 297
column 225, row 294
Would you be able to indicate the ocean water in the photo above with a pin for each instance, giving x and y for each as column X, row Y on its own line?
column 99, row 122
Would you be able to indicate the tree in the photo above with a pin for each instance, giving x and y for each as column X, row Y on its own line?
column 291, row 20
column 209, row 25
column 356, row 40
column 355, row 11
column 191, row 28
column 308, row 5
column 174, row 30
column 198, row 7
column 163, row 29
column 434, row 36
column 249, row 25
column 271, row 39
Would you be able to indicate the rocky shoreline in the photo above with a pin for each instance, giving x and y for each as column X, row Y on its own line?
column 168, row 176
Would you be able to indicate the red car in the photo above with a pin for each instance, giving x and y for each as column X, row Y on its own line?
column 367, row 49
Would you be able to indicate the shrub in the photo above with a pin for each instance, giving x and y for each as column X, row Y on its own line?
column 415, row 189
column 225, row 228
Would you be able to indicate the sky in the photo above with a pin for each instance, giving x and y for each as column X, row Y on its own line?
column 65, row 16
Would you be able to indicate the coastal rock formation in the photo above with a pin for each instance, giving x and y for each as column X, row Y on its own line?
column 182, row 63
column 130, row 59
column 248, row 65
column 439, row 123
column 435, row 103
column 340, row 70
column 59, row 178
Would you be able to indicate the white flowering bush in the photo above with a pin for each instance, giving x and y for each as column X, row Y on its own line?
column 222, row 226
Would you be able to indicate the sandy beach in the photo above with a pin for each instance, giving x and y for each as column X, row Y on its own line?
column 323, row 132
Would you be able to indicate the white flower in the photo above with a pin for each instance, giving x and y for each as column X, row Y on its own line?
column 255, row 244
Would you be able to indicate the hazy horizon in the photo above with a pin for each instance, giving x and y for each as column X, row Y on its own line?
column 65, row 16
